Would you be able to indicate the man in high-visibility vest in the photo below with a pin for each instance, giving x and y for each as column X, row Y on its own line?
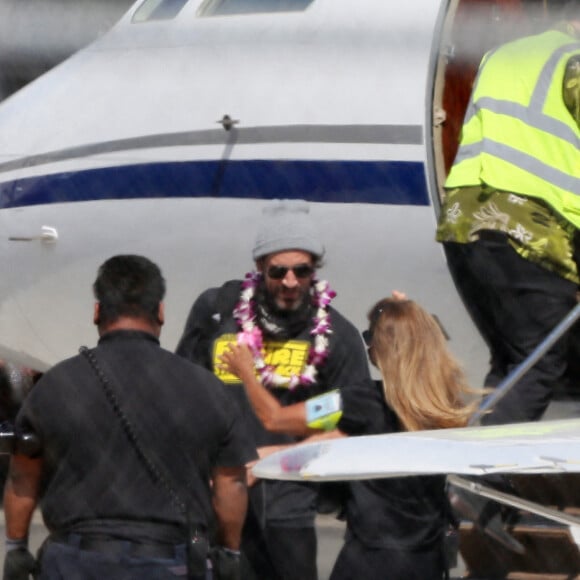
column 510, row 219
column 511, row 215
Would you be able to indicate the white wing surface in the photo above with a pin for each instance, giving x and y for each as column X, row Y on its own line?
column 540, row 447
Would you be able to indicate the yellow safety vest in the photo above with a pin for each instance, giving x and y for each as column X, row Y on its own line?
column 518, row 135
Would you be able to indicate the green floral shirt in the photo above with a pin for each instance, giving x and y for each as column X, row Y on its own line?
column 535, row 231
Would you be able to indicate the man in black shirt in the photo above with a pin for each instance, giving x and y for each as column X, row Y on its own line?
column 131, row 436
column 301, row 347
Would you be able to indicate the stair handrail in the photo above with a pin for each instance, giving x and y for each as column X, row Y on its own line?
column 516, row 374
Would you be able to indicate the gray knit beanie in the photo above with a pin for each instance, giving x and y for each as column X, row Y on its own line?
column 286, row 225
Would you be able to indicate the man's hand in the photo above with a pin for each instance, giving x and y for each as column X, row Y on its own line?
column 19, row 564
column 238, row 360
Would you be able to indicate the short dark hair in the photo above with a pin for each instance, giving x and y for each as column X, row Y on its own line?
column 129, row 285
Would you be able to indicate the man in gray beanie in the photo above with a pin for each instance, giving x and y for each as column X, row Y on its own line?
column 287, row 225
column 302, row 347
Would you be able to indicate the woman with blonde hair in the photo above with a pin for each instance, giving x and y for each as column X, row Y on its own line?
column 423, row 383
column 395, row 526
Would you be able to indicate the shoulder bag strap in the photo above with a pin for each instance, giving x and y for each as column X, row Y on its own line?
column 196, row 543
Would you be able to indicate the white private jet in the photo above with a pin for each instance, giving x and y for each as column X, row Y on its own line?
column 166, row 136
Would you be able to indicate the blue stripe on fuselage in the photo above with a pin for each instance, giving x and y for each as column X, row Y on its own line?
column 387, row 182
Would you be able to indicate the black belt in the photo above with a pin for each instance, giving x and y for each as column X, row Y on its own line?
column 116, row 547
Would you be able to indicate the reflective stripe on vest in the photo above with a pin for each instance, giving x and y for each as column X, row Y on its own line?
column 525, row 143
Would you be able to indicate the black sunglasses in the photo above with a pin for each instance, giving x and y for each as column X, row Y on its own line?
column 373, row 317
column 300, row 271
column 367, row 337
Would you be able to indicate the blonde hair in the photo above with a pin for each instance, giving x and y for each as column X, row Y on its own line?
column 422, row 381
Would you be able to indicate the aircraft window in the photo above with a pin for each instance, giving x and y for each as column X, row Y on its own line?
column 226, row 7
column 158, row 10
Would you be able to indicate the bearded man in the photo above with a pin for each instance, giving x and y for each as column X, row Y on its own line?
column 301, row 347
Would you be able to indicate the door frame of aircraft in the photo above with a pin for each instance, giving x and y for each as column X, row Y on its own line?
column 470, row 28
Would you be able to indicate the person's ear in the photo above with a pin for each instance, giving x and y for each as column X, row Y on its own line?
column 97, row 314
column 161, row 314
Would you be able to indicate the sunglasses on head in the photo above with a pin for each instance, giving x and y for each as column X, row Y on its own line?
column 367, row 334
column 300, row 271
column 367, row 337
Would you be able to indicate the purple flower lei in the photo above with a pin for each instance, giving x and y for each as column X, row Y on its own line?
column 250, row 333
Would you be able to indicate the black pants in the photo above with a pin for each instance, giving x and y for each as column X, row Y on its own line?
column 279, row 553
column 67, row 561
column 357, row 562
column 515, row 305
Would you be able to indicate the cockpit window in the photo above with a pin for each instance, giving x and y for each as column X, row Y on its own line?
column 158, row 10
column 226, row 7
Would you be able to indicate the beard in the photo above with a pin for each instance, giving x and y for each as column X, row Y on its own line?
column 283, row 322
column 289, row 299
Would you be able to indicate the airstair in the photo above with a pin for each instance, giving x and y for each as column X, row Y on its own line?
column 551, row 544
column 551, row 551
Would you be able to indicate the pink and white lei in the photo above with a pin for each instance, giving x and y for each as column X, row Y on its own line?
column 250, row 334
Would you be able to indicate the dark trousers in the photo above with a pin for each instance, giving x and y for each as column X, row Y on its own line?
column 67, row 561
column 279, row 552
column 357, row 562
column 515, row 304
